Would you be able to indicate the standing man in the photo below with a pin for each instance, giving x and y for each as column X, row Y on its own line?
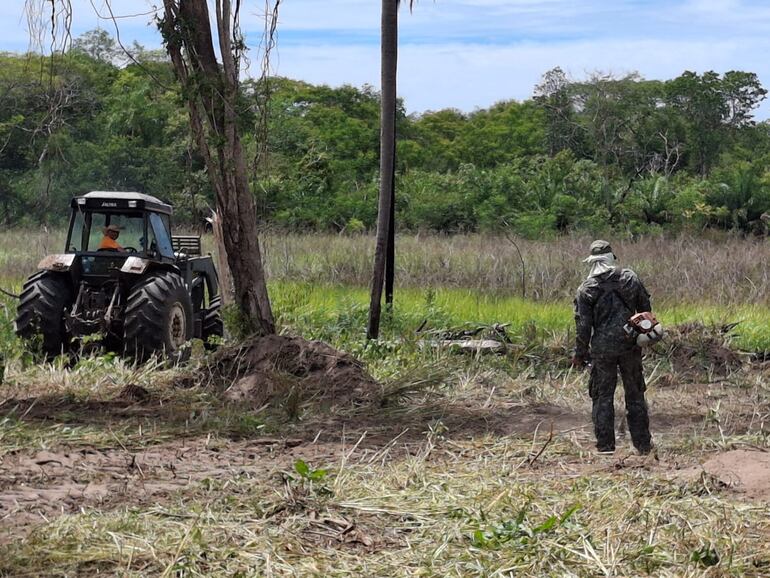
column 605, row 301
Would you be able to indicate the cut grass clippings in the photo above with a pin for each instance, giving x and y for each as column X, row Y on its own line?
column 454, row 509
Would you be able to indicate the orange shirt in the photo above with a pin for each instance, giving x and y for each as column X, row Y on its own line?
column 109, row 243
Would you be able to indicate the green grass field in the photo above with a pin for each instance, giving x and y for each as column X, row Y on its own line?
column 318, row 281
column 321, row 309
column 328, row 310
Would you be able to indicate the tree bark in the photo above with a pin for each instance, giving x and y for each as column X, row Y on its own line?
column 226, row 291
column 212, row 94
column 385, row 221
column 390, row 250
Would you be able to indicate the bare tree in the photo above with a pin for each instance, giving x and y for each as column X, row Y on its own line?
column 212, row 93
column 553, row 96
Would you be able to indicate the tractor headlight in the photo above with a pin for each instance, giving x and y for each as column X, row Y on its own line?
column 132, row 204
column 135, row 265
column 81, row 201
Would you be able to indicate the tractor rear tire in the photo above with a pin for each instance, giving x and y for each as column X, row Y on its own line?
column 159, row 318
column 212, row 322
column 40, row 313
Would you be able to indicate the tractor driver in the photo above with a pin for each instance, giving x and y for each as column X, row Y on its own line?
column 110, row 240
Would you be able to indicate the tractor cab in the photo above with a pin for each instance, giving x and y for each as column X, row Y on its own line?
column 140, row 224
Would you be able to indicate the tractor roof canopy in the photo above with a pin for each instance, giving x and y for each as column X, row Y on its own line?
column 119, row 201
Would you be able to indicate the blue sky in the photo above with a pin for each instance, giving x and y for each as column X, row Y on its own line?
column 471, row 53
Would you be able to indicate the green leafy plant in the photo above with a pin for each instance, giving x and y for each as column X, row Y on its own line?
column 706, row 555
column 308, row 473
column 311, row 481
column 519, row 530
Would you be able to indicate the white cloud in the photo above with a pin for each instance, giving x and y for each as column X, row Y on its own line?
column 472, row 76
column 471, row 53
column 319, row 15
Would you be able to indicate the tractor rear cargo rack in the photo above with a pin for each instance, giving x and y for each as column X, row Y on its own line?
column 187, row 244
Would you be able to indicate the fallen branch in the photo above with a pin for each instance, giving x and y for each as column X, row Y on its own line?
column 9, row 294
column 513, row 242
column 542, row 449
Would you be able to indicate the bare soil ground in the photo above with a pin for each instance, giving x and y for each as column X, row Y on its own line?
column 38, row 485
column 409, row 477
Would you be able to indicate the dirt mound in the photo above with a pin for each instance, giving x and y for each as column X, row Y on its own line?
column 744, row 471
column 695, row 348
column 279, row 368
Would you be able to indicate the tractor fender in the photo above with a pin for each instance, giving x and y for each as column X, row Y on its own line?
column 56, row 263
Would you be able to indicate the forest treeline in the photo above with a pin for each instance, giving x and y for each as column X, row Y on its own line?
column 621, row 152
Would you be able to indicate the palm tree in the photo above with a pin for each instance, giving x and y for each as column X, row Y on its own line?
column 384, row 253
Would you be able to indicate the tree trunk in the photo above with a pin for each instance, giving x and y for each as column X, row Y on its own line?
column 212, row 95
column 390, row 250
column 385, row 224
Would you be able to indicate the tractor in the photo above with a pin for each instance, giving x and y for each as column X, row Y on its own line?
column 124, row 282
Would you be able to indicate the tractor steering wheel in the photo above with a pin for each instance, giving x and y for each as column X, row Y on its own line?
column 129, row 249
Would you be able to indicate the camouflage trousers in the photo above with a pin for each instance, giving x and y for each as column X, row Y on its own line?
column 604, row 379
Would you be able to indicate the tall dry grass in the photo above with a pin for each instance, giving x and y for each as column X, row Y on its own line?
column 721, row 270
column 22, row 249
column 718, row 269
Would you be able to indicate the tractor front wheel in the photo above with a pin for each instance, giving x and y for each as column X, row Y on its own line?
column 159, row 318
column 40, row 314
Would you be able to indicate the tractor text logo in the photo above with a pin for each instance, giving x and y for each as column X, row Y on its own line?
column 109, row 204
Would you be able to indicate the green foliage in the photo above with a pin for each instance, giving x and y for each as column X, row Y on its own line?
column 337, row 314
column 10, row 346
column 606, row 152
column 712, row 109
column 313, row 481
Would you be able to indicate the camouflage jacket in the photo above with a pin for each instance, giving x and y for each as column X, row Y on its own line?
column 603, row 305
